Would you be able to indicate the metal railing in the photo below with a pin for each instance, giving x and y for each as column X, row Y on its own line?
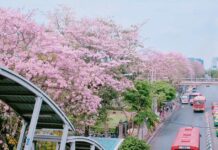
column 199, row 80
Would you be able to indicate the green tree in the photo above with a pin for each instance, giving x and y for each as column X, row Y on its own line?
column 132, row 143
column 108, row 94
column 163, row 91
column 140, row 102
column 213, row 73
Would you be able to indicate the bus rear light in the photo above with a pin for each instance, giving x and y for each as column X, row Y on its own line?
column 184, row 147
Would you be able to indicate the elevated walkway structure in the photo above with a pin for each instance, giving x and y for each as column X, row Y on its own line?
column 199, row 81
column 73, row 142
column 84, row 143
column 38, row 111
column 34, row 106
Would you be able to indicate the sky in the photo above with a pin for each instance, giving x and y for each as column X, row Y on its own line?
column 186, row 26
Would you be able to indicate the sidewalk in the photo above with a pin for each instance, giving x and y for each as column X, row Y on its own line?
column 167, row 115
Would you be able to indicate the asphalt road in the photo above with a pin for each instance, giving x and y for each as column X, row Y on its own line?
column 185, row 117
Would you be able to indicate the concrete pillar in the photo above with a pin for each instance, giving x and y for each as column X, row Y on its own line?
column 22, row 134
column 92, row 147
column 73, row 146
column 57, row 146
column 64, row 137
column 120, row 130
column 33, row 123
column 33, row 146
column 142, row 131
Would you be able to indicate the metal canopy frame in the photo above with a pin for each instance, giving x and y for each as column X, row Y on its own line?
column 34, row 106
column 71, row 140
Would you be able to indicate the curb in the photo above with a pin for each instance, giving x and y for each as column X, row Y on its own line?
column 208, row 133
column 162, row 123
column 155, row 132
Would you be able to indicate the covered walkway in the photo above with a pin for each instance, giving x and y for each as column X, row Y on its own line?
column 38, row 111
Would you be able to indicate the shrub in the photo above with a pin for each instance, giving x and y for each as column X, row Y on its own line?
column 132, row 143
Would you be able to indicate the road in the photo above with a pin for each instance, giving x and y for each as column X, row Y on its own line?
column 185, row 117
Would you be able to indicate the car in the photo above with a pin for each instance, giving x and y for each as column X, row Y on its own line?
column 217, row 132
column 189, row 90
column 214, row 104
column 194, row 89
column 215, row 120
column 191, row 101
column 214, row 107
column 215, row 115
column 184, row 99
column 215, row 111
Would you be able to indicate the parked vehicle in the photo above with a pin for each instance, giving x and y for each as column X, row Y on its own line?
column 192, row 96
column 199, row 103
column 214, row 104
column 194, row 90
column 184, row 99
column 187, row 138
column 215, row 121
column 214, row 107
column 215, row 115
column 215, row 111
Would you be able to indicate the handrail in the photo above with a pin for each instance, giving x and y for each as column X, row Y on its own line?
column 200, row 79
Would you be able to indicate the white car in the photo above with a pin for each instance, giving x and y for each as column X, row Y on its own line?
column 184, row 99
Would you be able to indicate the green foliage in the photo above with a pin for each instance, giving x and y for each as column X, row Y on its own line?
column 9, row 124
column 140, row 100
column 140, row 97
column 213, row 73
column 108, row 94
column 100, row 130
column 163, row 91
column 132, row 143
column 147, row 115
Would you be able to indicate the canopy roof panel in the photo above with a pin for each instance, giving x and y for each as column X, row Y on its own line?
column 82, row 143
column 108, row 143
column 20, row 94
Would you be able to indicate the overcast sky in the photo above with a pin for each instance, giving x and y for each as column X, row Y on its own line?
column 186, row 26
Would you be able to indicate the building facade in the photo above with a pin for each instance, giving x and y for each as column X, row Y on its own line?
column 200, row 60
column 215, row 63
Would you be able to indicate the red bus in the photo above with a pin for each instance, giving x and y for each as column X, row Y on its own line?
column 199, row 103
column 188, row 138
column 192, row 96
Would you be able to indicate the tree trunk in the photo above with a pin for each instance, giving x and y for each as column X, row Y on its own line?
column 120, row 130
column 86, row 134
column 133, row 128
column 106, row 129
column 138, row 131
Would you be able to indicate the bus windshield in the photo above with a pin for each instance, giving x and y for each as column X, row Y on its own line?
column 184, row 97
column 192, row 96
column 198, row 102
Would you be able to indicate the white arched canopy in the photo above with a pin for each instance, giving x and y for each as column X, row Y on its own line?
column 74, row 142
column 33, row 105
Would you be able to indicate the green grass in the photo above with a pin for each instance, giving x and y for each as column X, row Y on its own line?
column 115, row 117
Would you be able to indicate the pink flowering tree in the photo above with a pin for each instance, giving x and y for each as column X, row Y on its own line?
column 72, row 59
column 164, row 66
column 100, row 43
column 72, row 65
column 198, row 69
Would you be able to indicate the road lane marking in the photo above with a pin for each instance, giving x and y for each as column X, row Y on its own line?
column 208, row 133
